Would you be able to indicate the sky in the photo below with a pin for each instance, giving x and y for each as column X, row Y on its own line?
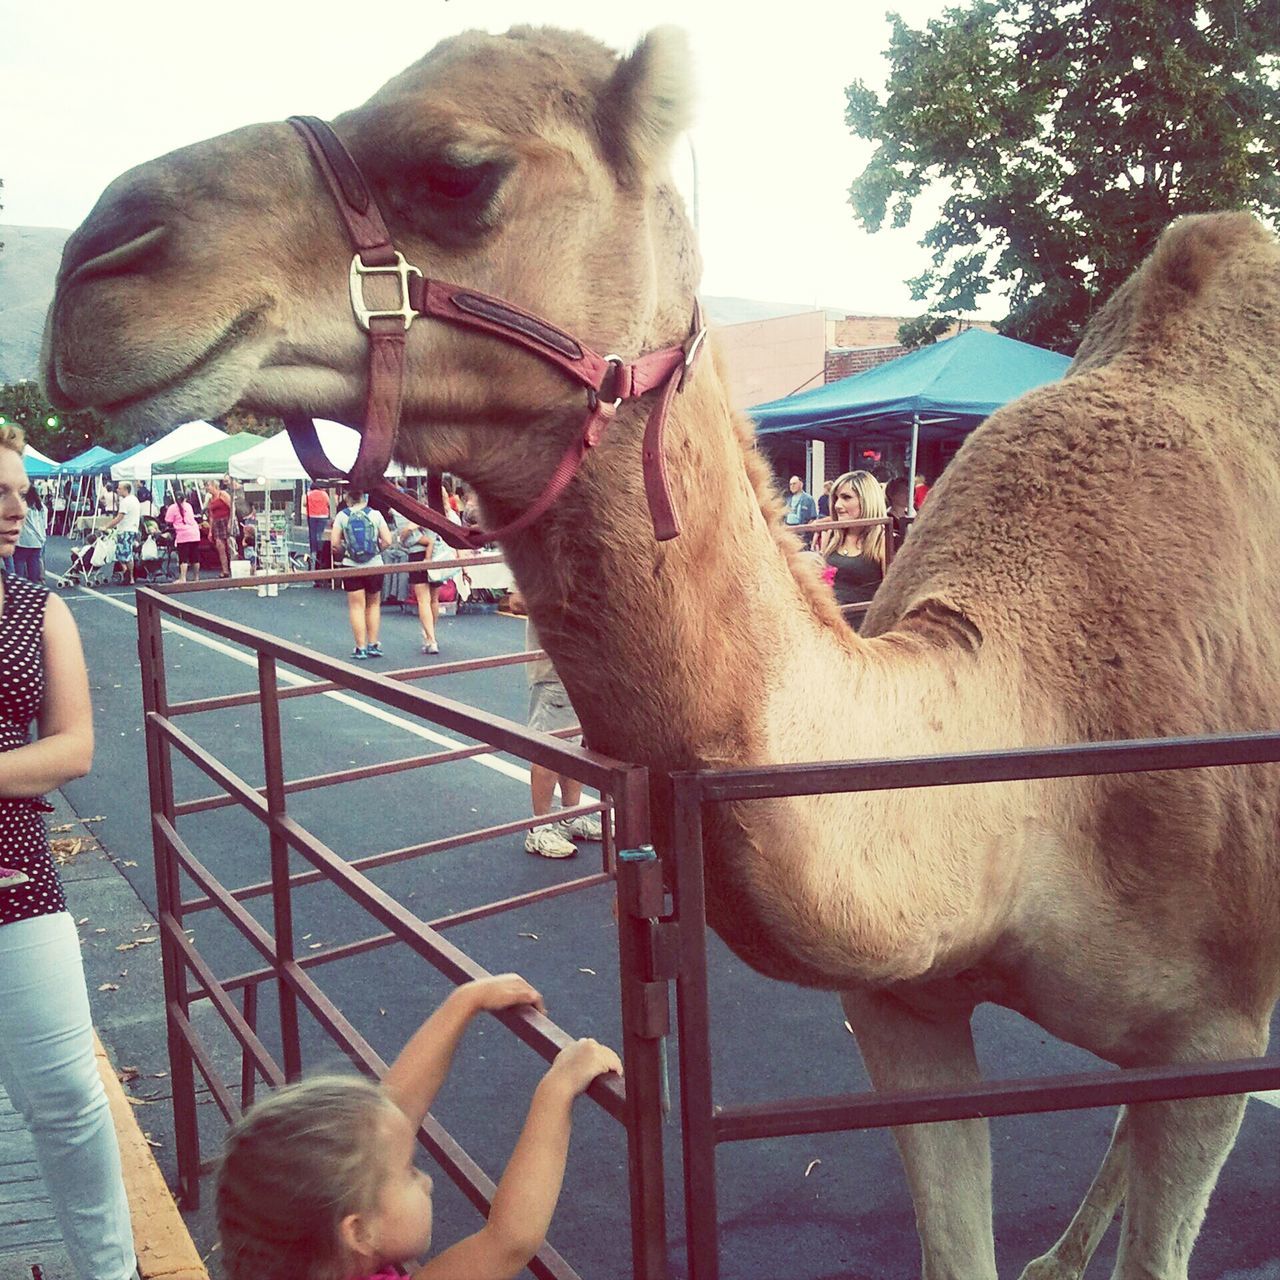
column 91, row 89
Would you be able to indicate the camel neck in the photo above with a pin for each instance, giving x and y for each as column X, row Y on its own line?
column 671, row 650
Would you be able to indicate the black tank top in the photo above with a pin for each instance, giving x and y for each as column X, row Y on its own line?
column 24, row 843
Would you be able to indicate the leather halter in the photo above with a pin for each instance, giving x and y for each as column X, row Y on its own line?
column 609, row 380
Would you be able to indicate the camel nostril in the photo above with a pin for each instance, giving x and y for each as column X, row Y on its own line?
column 113, row 240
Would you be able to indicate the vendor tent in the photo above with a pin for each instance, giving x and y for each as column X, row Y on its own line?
column 275, row 461
column 209, row 459
column 104, row 465
column 36, row 464
column 190, row 435
column 84, row 462
column 938, row 392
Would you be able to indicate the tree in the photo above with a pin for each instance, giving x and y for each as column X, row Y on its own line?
column 1069, row 134
column 57, row 434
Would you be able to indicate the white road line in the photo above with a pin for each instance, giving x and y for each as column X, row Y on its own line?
column 379, row 713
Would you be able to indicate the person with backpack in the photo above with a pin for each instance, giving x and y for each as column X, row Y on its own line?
column 359, row 537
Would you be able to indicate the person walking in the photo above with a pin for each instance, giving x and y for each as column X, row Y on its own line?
column 218, row 509
column 125, row 522
column 186, row 537
column 28, row 555
column 549, row 710
column 319, row 513
column 47, row 1062
column 359, row 537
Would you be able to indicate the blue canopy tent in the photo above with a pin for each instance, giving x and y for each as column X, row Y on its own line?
column 102, row 467
column 36, row 465
column 938, row 392
column 84, row 462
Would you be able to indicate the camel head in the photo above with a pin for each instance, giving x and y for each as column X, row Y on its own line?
column 531, row 166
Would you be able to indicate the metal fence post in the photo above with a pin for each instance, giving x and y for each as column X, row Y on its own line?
column 645, row 1023
column 281, row 897
column 169, row 902
column 697, row 1117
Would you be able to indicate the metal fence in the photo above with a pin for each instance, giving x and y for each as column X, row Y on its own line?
column 291, row 973
column 705, row 1124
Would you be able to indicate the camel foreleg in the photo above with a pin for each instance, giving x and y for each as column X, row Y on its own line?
column 1068, row 1258
column 948, row 1166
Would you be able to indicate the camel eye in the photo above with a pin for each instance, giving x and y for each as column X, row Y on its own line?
column 444, row 182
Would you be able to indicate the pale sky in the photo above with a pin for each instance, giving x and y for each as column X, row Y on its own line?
column 90, row 89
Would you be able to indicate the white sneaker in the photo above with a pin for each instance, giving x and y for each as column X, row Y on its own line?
column 549, row 842
column 584, row 827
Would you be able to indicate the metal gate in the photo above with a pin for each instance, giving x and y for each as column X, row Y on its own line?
column 287, row 966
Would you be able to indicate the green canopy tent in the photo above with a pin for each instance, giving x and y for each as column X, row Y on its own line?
column 208, row 460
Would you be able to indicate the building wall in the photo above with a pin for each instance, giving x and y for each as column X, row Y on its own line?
column 769, row 359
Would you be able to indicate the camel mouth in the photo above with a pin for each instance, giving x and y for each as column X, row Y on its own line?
column 205, row 386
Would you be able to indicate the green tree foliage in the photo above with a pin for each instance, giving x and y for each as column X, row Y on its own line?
column 1068, row 135
column 56, row 434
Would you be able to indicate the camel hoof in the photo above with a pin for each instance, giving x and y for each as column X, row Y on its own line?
column 1049, row 1268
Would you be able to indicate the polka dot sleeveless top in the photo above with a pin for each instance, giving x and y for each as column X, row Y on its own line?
column 24, row 843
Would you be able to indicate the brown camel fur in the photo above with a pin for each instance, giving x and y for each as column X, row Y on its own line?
column 1063, row 584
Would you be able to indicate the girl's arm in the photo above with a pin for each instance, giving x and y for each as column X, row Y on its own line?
column 64, row 749
column 530, row 1187
column 415, row 1077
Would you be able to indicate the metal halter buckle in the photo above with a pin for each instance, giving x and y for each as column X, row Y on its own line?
column 401, row 270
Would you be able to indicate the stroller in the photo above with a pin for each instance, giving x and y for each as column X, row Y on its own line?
column 92, row 563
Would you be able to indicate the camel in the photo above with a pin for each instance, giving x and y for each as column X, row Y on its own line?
column 1064, row 583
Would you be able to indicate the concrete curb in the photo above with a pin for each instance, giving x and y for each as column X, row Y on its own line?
column 160, row 1237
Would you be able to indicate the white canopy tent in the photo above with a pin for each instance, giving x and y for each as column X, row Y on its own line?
column 183, row 439
column 274, row 462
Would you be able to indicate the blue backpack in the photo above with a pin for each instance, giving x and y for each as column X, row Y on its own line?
column 361, row 536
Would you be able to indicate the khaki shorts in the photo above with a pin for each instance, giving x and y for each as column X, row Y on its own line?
column 550, row 709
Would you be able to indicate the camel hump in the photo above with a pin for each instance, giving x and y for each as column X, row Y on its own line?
column 1204, row 265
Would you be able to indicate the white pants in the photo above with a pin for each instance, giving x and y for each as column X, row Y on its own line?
column 48, row 1069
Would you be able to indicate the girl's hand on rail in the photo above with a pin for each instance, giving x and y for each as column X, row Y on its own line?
column 501, row 991
column 578, row 1064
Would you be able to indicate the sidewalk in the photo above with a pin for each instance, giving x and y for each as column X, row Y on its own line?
column 122, row 968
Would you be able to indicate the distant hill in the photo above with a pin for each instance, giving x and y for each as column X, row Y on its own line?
column 28, row 267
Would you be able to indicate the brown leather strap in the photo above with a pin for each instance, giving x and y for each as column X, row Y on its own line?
column 609, row 380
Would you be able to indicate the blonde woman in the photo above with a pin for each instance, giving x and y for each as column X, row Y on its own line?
column 857, row 555
column 47, row 1063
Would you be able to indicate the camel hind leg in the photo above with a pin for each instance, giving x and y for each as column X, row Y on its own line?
column 948, row 1166
column 1176, row 1151
column 1068, row 1258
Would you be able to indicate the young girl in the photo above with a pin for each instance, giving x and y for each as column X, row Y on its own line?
column 318, row 1180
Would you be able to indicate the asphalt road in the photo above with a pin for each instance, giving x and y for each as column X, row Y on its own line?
column 801, row 1208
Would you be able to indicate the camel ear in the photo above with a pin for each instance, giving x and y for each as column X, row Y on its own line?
column 647, row 103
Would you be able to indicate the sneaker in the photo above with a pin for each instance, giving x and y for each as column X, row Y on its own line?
column 547, row 842
column 358, row 654
column 430, row 646
column 373, row 651
column 585, row 827
column 11, row 877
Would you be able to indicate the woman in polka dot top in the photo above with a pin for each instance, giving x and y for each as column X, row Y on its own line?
column 47, row 1064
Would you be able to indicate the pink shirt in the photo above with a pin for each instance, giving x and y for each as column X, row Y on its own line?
column 185, row 528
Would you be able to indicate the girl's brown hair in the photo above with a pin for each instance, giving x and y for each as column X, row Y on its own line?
column 295, row 1165
column 12, row 437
